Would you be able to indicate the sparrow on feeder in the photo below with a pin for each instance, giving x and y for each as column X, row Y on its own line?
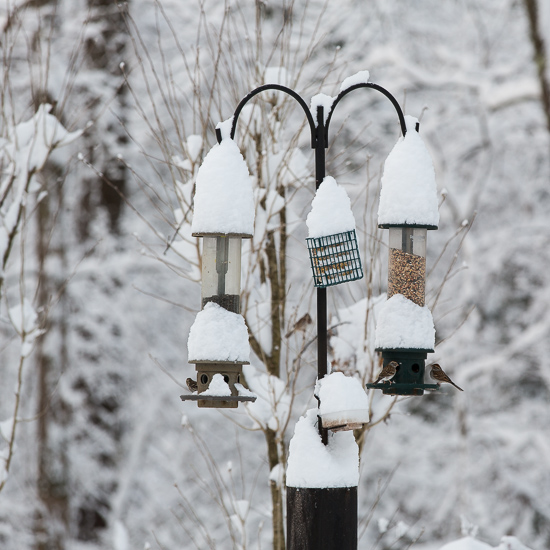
column 439, row 375
column 388, row 372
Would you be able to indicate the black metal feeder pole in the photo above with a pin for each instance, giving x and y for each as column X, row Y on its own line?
column 320, row 518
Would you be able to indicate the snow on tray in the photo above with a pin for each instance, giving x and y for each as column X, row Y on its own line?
column 218, row 335
column 402, row 324
column 409, row 192
column 312, row 464
column 217, row 387
column 330, row 210
column 224, row 200
column 342, row 399
column 362, row 77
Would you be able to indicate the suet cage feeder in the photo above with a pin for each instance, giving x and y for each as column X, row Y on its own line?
column 334, row 259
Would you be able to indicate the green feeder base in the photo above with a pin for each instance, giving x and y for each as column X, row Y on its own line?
column 409, row 378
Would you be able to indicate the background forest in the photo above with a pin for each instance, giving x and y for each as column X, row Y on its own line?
column 106, row 112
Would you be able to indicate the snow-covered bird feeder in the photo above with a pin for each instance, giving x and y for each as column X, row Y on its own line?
column 408, row 209
column 343, row 403
column 332, row 241
column 223, row 216
column 218, row 346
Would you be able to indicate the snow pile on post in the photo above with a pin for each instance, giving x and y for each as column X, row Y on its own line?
column 321, row 100
column 330, row 211
column 409, row 191
column 224, row 200
column 404, row 325
column 218, row 335
column 342, row 400
column 314, row 465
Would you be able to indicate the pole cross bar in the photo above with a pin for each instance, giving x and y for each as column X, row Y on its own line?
column 312, row 126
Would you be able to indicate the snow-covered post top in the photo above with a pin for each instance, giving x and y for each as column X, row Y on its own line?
column 343, row 403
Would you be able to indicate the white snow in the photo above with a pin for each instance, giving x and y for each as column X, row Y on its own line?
column 342, row 400
column 321, row 99
column 362, row 77
column 225, row 128
column 403, row 324
column 276, row 75
column 30, row 142
column 272, row 406
column 409, row 191
column 217, row 386
column 224, row 201
column 121, row 540
column 218, row 335
column 6, row 429
column 312, row 464
column 193, row 145
column 330, row 210
column 466, row 543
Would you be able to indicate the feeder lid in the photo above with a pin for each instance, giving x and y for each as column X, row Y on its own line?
column 218, row 335
column 224, row 199
column 402, row 324
column 409, row 192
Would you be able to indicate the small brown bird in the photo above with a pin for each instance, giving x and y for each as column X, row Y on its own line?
column 192, row 385
column 439, row 375
column 388, row 372
column 301, row 324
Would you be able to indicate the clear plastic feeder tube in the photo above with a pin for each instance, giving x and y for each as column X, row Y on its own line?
column 407, row 263
column 221, row 271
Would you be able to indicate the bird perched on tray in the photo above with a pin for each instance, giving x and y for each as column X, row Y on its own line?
column 439, row 375
column 387, row 372
column 192, row 385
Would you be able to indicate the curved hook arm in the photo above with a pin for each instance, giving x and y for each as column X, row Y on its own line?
column 375, row 87
column 281, row 88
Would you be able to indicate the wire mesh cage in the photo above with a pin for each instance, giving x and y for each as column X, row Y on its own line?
column 334, row 259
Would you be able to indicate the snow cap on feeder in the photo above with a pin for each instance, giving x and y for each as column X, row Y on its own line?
column 408, row 208
column 343, row 403
column 223, row 216
column 332, row 241
column 218, row 345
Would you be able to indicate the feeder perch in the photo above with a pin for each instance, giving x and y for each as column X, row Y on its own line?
column 334, row 259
